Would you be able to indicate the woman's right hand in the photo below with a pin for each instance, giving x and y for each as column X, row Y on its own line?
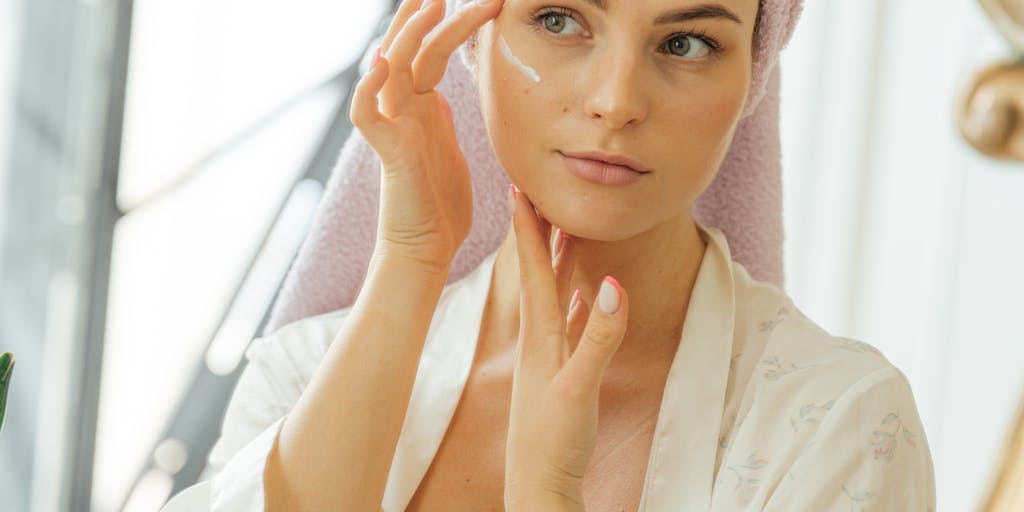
column 426, row 195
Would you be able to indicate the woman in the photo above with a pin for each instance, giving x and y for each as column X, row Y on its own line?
column 714, row 391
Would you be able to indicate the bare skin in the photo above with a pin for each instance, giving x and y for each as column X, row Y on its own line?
column 609, row 84
column 642, row 234
column 612, row 86
column 468, row 469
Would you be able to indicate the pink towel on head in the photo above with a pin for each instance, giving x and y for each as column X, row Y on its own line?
column 744, row 200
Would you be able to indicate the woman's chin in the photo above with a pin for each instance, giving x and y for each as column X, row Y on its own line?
column 581, row 226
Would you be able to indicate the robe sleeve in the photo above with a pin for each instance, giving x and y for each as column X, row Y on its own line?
column 277, row 371
column 869, row 453
column 279, row 367
column 270, row 384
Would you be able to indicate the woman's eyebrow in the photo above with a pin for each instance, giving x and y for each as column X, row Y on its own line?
column 689, row 13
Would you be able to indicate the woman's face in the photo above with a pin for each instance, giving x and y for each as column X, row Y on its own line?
column 666, row 93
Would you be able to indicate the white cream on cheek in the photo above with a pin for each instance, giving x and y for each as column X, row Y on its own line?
column 507, row 52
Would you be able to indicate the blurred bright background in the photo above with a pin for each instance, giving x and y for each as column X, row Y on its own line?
column 157, row 176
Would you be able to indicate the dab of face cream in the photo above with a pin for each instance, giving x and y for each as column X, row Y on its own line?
column 527, row 70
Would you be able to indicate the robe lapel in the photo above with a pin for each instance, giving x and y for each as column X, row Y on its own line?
column 441, row 376
column 684, row 449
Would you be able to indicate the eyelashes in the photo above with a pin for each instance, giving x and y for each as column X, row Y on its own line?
column 539, row 18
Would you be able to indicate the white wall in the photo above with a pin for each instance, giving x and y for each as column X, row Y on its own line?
column 200, row 73
column 898, row 233
column 9, row 30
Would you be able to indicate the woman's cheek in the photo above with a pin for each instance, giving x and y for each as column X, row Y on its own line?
column 506, row 114
column 512, row 59
column 708, row 106
column 521, row 106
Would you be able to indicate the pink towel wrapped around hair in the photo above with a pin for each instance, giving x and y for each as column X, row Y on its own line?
column 744, row 200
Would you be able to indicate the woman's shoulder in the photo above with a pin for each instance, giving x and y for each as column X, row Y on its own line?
column 821, row 421
column 788, row 346
column 794, row 372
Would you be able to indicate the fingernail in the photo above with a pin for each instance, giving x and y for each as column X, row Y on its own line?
column 575, row 300
column 608, row 297
column 512, row 197
column 376, row 58
column 482, row 2
column 558, row 242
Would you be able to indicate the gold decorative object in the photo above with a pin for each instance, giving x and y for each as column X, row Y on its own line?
column 1008, row 15
column 990, row 111
column 1007, row 491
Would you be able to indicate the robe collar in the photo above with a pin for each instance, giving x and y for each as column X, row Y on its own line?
column 684, row 449
column 681, row 468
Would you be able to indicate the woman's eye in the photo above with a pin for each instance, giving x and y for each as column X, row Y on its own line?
column 555, row 22
column 689, row 45
column 682, row 45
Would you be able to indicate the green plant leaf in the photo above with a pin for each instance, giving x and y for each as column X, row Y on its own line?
column 6, row 369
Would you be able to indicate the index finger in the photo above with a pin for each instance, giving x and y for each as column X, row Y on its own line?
column 539, row 302
column 439, row 45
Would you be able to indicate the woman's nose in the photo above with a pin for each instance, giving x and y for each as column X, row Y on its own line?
column 614, row 92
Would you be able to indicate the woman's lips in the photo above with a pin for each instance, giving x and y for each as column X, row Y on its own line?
column 601, row 172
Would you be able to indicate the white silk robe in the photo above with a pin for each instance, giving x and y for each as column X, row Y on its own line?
column 762, row 409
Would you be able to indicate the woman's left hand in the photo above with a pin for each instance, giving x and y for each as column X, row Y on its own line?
column 554, row 410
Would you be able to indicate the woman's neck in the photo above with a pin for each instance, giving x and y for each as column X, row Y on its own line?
column 657, row 270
